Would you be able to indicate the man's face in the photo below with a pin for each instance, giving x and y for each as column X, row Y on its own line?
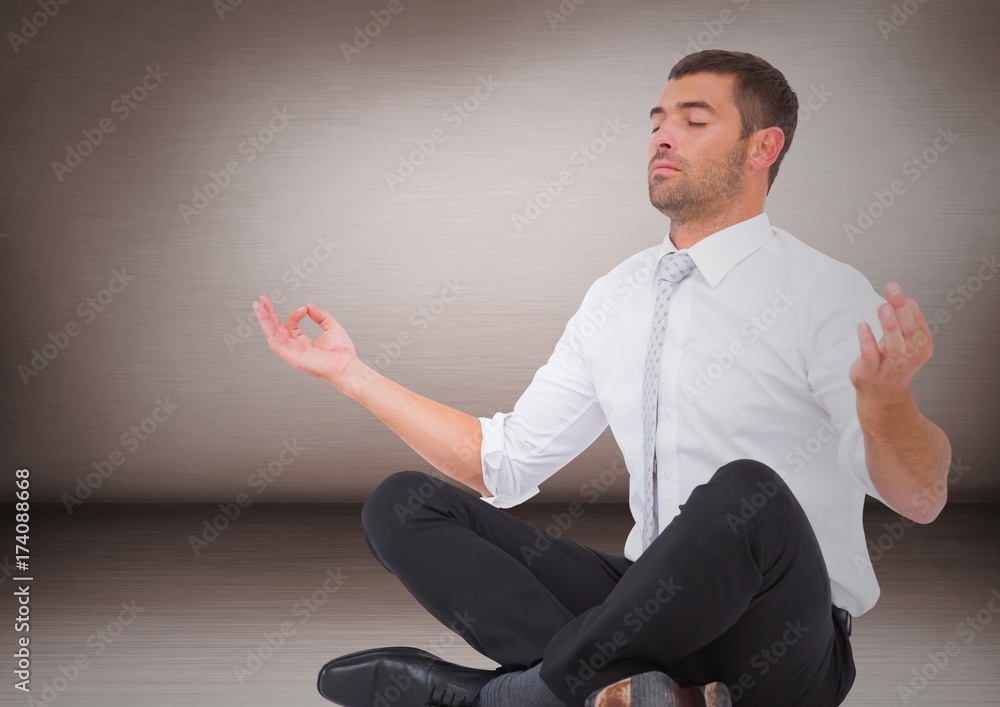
column 696, row 128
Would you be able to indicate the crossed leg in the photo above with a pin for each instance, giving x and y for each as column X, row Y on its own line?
column 504, row 585
column 717, row 596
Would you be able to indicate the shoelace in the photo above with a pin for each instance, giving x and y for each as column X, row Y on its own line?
column 454, row 701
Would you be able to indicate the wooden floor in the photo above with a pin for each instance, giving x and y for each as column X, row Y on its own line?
column 119, row 591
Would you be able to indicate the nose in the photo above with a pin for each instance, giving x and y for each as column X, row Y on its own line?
column 661, row 142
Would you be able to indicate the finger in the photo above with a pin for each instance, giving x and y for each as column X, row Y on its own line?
column 273, row 314
column 279, row 338
column 903, row 306
column 921, row 338
column 268, row 311
column 266, row 325
column 871, row 357
column 260, row 310
column 891, row 335
column 921, row 322
column 292, row 323
column 321, row 317
column 907, row 322
column 266, row 320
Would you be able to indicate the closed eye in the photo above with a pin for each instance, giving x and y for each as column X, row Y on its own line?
column 697, row 125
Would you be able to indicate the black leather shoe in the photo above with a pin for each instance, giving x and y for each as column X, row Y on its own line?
column 400, row 676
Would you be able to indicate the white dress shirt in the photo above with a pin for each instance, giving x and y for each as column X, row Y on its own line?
column 759, row 342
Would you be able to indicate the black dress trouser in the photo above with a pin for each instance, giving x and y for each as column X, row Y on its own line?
column 734, row 589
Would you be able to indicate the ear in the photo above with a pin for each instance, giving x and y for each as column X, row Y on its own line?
column 766, row 145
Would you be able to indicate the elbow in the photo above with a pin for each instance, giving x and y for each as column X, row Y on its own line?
column 921, row 506
column 925, row 518
column 934, row 497
column 924, row 504
column 935, row 511
column 929, row 504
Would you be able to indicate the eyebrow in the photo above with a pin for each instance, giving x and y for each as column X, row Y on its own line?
column 685, row 106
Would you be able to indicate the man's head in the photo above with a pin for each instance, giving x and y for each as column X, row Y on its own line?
column 725, row 120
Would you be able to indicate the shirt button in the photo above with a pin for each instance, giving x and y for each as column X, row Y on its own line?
column 669, row 351
column 682, row 298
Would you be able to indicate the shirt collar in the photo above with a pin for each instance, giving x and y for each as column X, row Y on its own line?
column 717, row 254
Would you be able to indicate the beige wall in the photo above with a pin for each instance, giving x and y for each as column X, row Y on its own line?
column 875, row 103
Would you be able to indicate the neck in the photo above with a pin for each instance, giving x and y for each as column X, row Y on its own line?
column 684, row 234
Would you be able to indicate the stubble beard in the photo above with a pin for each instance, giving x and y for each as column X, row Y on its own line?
column 693, row 198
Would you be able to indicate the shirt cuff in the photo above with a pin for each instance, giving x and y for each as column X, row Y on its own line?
column 853, row 462
column 509, row 501
column 492, row 457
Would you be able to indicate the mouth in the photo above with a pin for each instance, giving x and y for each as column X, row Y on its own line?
column 664, row 168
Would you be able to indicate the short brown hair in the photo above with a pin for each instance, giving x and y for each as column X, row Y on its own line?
column 761, row 93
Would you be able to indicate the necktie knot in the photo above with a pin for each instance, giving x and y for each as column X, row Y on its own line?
column 675, row 266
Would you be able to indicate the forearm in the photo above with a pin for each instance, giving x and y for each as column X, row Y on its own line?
column 908, row 456
column 448, row 439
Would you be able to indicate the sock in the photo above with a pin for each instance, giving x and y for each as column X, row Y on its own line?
column 520, row 687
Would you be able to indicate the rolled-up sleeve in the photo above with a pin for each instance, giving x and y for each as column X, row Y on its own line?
column 554, row 420
column 835, row 300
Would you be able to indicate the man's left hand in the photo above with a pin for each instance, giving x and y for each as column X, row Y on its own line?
column 884, row 369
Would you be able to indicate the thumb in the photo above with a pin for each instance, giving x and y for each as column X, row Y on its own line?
column 321, row 317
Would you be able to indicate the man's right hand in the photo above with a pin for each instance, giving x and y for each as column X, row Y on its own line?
column 326, row 357
column 448, row 439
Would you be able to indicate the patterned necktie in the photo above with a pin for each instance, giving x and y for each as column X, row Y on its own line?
column 674, row 267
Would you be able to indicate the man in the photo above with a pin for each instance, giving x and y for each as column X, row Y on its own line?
column 754, row 408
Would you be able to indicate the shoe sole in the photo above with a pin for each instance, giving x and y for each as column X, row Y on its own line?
column 655, row 689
